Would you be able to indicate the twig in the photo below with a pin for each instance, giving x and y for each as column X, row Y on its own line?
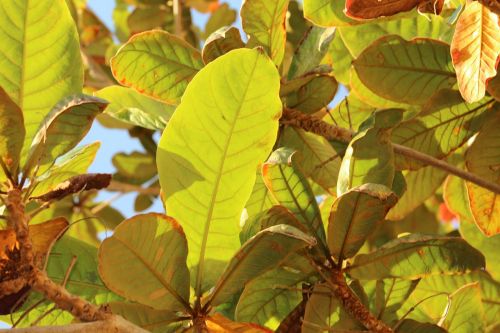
column 177, row 8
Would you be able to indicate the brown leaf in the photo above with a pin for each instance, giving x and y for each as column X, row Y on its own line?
column 370, row 9
column 90, row 181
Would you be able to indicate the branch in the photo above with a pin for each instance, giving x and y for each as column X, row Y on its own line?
column 124, row 187
column 331, row 132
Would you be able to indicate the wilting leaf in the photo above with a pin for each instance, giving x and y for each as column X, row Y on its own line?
column 129, row 106
column 390, row 296
column 41, row 61
column 475, row 49
column 12, row 132
column 221, row 17
column 62, row 129
column 465, row 313
column 415, row 256
column 259, row 254
column 145, row 261
column 369, row 9
column 221, row 42
column 264, row 22
column 157, row 64
column 354, row 216
column 76, row 184
column 207, row 169
column 326, row 13
column 314, row 95
column 417, row 68
column 482, row 159
column 219, row 324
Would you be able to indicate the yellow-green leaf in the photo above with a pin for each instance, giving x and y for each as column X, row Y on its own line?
column 475, row 49
column 326, row 13
column 12, row 133
column 222, row 16
column 314, row 95
column 465, row 313
column 221, row 42
column 207, row 160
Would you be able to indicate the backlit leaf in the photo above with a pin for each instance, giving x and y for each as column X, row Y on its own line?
column 136, row 166
column 207, row 169
column 43, row 236
column 146, row 18
column 219, row 324
column 326, row 13
column 457, row 199
column 349, row 113
column 465, row 313
column 412, row 326
column 221, row 42
column 221, row 17
column 314, row 95
column 390, row 295
column 12, row 133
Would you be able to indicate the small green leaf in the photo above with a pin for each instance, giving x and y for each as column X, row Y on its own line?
column 415, row 256
column 145, row 261
column 259, row 254
column 129, row 106
column 221, row 42
column 354, row 216
column 314, row 95
column 12, row 133
column 137, row 167
column 157, row 64
column 465, row 313
column 264, row 22
column 62, row 129
column 207, row 169
column 417, row 68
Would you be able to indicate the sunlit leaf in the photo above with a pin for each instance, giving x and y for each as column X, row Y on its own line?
column 207, row 169
column 349, row 113
column 340, row 59
column 415, row 256
column 465, row 313
column 12, row 133
column 136, row 166
column 221, row 42
column 457, row 199
column 219, row 324
column 390, row 296
column 147, row 18
column 412, row 326
column 475, row 49
column 326, row 13
column 314, row 95
column 264, row 22
column 144, row 261
column 354, row 216
column 417, row 68
column 157, row 64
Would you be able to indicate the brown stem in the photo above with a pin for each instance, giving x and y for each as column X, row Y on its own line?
column 331, row 132
column 178, row 18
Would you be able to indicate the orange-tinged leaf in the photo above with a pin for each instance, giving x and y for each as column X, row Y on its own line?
column 43, row 234
column 220, row 324
column 475, row 49
column 12, row 131
column 7, row 243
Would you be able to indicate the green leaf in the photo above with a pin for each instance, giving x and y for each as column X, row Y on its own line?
column 129, row 106
column 354, row 216
column 349, row 113
column 137, row 167
column 207, row 169
column 147, row 18
column 311, row 51
column 412, row 326
column 415, row 256
column 62, row 129
column 390, row 296
column 221, row 42
column 12, row 133
column 340, row 59
column 465, row 313
column 156, row 64
column 264, row 22
column 221, row 17
column 73, row 163
column 370, row 156
column 291, row 189
column 483, row 160
column 418, row 68
column 317, row 159
column 41, row 61
column 326, row 13
column 314, row 95
column 144, row 261
column 456, row 198
column 259, row 254
column 445, row 124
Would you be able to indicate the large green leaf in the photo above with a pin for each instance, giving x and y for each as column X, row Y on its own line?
column 445, row 123
column 207, row 159
column 221, row 42
column 465, row 313
column 12, row 133
column 415, row 256
column 129, row 106
column 482, row 159
column 354, row 216
column 62, row 129
column 326, row 13
column 145, row 261
column 41, row 61
column 157, row 64
column 259, row 254
column 290, row 188
column 264, row 22
column 417, row 68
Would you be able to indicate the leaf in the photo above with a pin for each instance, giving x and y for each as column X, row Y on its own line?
column 340, row 60
column 147, row 18
column 221, row 17
column 483, row 160
column 157, row 64
column 277, row 215
column 264, row 22
column 369, row 9
column 354, row 216
column 41, row 61
column 465, row 313
column 412, row 326
column 418, row 68
column 259, row 254
column 326, row 13
column 12, row 132
column 136, row 166
column 317, row 159
column 444, row 125
column 62, row 129
column 221, row 42
column 475, row 49
column 391, row 294
column 74, row 163
column 219, row 324
column 314, row 95
column 129, row 106
column 207, row 169
column 310, row 51
column 349, row 113
column 416, row 256
column 456, row 198
column 144, row 261
column 291, row 189
column 370, row 157
column 44, row 235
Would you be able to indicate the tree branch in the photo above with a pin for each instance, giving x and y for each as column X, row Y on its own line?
column 331, row 132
